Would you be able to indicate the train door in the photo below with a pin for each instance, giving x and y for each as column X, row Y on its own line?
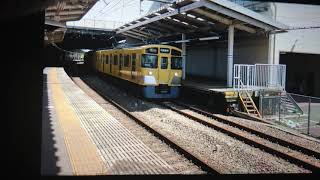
column 133, row 67
column 120, row 64
column 163, row 70
column 107, row 64
column 103, row 62
column 115, row 66
column 110, row 70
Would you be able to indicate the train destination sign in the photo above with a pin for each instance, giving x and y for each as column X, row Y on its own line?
column 164, row 50
column 152, row 50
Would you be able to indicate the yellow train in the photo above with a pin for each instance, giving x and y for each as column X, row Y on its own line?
column 155, row 69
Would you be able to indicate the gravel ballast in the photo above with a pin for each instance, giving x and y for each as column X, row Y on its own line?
column 173, row 158
column 221, row 151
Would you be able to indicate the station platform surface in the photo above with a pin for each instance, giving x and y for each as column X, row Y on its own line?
column 206, row 85
column 80, row 138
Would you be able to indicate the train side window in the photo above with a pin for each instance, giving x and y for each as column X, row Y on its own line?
column 126, row 61
column 133, row 62
column 107, row 59
column 175, row 52
column 115, row 60
column 133, row 57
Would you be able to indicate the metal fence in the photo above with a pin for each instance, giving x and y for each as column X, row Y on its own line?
column 307, row 121
column 259, row 76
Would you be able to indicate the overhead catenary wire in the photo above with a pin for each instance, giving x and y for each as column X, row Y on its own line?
column 114, row 5
column 123, row 7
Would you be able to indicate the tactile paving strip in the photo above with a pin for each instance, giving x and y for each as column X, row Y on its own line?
column 83, row 155
column 121, row 151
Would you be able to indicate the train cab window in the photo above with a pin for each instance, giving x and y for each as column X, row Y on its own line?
column 149, row 61
column 115, row 60
column 164, row 62
column 176, row 62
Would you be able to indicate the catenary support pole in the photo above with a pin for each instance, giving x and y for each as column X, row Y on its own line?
column 184, row 57
column 230, row 55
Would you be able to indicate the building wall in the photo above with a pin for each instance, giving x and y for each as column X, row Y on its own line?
column 299, row 41
column 304, row 80
column 211, row 60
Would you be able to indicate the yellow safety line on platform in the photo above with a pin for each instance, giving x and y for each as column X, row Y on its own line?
column 83, row 154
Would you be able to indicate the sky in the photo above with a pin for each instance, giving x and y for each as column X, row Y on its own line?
column 105, row 11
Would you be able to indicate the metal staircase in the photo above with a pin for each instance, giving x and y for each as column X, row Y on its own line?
column 248, row 104
column 289, row 105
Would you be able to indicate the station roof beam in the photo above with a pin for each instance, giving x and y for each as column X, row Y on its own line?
column 189, row 16
column 59, row 13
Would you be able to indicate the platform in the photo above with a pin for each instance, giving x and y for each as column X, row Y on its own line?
column 80, row 138
column 206, row 85
column 210, row 87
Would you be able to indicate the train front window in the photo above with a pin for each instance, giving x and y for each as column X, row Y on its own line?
column 176, row 62
column 149, row 61
column 164, row 62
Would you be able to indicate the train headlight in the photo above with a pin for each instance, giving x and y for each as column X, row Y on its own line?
column 176, row 74
column 150, row 73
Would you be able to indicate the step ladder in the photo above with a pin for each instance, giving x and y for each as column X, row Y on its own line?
column 248, row 104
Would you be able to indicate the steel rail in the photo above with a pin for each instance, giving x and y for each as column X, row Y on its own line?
column 291, row 156
column 193, row 157
column 269, row 137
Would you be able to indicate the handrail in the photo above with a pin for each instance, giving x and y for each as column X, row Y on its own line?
column 313, row 97
column 295, row 103
column 259, row 76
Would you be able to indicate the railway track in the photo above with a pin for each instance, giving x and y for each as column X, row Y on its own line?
column 189, row 155
column 196, row 155
column 294, row 153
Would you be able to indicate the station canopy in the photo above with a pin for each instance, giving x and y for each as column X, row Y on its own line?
column 200, row 18
column 58, row 13
column 68, row 10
